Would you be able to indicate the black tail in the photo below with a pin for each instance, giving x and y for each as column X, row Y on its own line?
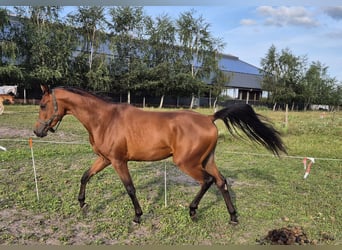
column 253, row 125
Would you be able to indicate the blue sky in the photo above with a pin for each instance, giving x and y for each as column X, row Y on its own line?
column 250, row 30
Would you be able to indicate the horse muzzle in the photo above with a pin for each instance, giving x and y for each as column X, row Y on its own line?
column 41, row 131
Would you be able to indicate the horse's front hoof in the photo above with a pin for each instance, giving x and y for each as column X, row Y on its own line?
column 194, row 217
column 234, row 222
column 137, row 220
column 192, row 213
column 84, row 208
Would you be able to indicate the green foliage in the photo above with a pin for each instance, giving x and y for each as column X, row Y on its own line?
column 10, row 74
column 288, row 79
column 45, row 45
column 146, row 55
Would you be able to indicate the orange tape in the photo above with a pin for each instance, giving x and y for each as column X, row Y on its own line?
column 308, row 168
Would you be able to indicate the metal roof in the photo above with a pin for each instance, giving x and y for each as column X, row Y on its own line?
column 234, row 64
column 242, row 74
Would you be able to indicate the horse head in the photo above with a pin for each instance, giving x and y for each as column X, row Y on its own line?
column 49, row 115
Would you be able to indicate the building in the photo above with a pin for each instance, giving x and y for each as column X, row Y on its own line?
column 244, row 79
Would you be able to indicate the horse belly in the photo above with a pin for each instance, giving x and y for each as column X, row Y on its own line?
column 149, row 152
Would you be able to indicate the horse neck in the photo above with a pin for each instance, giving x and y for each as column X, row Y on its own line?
column 89, row 110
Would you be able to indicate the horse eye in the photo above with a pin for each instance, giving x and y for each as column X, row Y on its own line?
column 42, row 106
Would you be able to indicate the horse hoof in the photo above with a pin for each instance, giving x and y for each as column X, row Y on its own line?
column 193, row 216
column 84, row 208
column 137, row 220
column 192, row 213
column 233, row 222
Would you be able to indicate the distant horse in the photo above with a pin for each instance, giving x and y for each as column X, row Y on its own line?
column 120, row 133
column 5, row 97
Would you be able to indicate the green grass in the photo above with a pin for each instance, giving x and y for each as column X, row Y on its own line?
column 269, row 193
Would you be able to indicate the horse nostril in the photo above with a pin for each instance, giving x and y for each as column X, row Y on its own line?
column 38, row 133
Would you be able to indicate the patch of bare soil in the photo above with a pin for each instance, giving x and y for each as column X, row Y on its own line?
column 26, row 133
column 175, row 176
column 11, row 132
column 26, row 228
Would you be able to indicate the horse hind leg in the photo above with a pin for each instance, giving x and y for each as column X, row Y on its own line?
column 222, row 185
column 210, row 175
column 206, row 173
column 207, row 182
column 195, row 170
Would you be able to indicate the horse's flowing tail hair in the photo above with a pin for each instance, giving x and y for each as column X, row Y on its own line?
column 255, row 126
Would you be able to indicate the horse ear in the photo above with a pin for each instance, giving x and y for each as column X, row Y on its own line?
column 45, row 88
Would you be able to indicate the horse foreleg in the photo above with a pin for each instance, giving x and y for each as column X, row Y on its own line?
column 99, row 164
column 122, row 170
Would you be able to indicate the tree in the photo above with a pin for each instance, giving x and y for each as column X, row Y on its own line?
column 9, row 72
column 91, row 66
column 283, row 74
column 288, row 79
column 319, row 87
column 217, row 85
column 337, row 96
column 45, row 44
column 90, row 22
column 161, row 56
column 199, row 48
column 127, row 25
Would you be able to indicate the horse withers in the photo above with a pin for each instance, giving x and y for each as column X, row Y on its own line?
column 120, row 133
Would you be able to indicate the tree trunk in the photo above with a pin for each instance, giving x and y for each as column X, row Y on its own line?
column 286, row 123
column 215, row 109
column 292, row 108
column 161, row 101
column 25, row 96
column 192, row 101
column 209, row 98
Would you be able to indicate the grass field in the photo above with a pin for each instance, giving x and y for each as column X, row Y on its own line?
column 269, row 193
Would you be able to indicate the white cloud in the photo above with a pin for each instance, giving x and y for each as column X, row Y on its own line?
column 248, row 22
column 287, row 16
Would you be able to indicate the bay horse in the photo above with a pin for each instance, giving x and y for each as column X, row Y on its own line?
column 120, row 133
column 5, row 97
